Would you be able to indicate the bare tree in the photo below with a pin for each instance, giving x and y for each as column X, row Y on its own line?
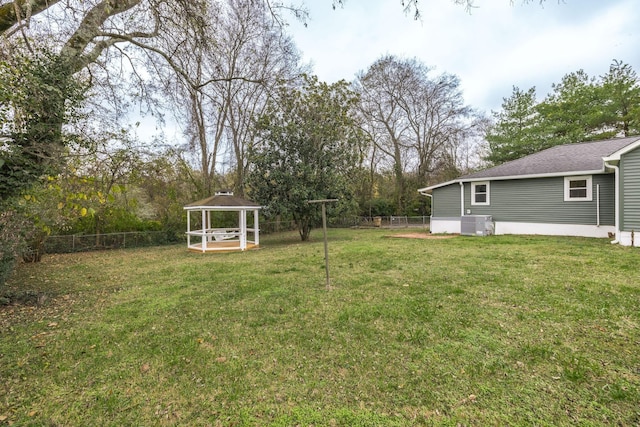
column 380, row 89
column 417, row 120
column 438, row 118
column 256, row 46
column 217, row 111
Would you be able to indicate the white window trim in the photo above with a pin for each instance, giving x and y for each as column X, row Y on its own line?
column 473, row 193
column 567, row 181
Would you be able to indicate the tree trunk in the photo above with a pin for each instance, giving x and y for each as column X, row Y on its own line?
column 399, row 175
column 304, row 228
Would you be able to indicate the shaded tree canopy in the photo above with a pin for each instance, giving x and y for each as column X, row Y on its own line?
column 37, row 97
column 50, row 67
column 308, row 146
column 515, row 132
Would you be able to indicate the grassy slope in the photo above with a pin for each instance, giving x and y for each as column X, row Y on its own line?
column 476, row 331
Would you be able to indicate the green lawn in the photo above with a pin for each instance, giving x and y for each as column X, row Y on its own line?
column 462, row 331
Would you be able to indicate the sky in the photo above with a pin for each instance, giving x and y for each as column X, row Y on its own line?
column 492, row 48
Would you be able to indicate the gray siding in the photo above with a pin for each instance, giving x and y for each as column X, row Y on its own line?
column 630, row 191
column 607, row 198
column 446, row 201
column 541, row 200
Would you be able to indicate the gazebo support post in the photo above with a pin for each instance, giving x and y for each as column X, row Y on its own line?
column 256, row 229
column 243, row 229
column 188, row 229
column 204, row 230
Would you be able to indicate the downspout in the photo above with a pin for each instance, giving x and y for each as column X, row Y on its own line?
column 617, row 202
column 461, row 200
column 424, row 193
column 598, row 205
column 431, row 198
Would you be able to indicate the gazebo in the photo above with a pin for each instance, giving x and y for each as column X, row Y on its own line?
column 205, row 238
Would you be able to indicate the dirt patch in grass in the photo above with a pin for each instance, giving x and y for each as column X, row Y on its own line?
column 423, row 236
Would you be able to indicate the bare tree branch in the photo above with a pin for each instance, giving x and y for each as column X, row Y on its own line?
column 119, row 38
column 89, row 29
column 12, row 13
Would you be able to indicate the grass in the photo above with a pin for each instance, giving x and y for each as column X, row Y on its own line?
column 465, row 331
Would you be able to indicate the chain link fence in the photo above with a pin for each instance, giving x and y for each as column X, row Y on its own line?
column 136, row 239
column 381, row 222
column 93, row 242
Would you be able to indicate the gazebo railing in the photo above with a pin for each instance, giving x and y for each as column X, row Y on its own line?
column 220, row 239
column 256, row 234
column 223, row 234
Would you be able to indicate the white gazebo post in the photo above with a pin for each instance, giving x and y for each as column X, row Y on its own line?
column 188, row 229
column 204, row 230
column 256, row 229
column 242, row 224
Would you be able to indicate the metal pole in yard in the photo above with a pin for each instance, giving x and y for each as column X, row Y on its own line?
column 326, row 246
column 324, row 230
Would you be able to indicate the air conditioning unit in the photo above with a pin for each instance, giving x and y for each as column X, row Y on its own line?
column 476, row 225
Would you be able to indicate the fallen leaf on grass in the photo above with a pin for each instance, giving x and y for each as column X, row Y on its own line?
column 3, row 417
column 469, row 399
column 221, row 359
column 145, row 368
column 52, row 324
column 430, row 414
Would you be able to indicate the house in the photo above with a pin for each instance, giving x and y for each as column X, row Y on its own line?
column 590, row 189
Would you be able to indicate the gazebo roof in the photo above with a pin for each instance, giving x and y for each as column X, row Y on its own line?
column 223, row 200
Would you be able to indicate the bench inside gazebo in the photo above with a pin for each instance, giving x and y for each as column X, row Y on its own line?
column 204, row 236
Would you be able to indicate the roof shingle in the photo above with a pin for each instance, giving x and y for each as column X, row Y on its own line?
column 582, row 157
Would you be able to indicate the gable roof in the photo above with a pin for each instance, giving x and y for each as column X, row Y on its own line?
column 568, row 159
